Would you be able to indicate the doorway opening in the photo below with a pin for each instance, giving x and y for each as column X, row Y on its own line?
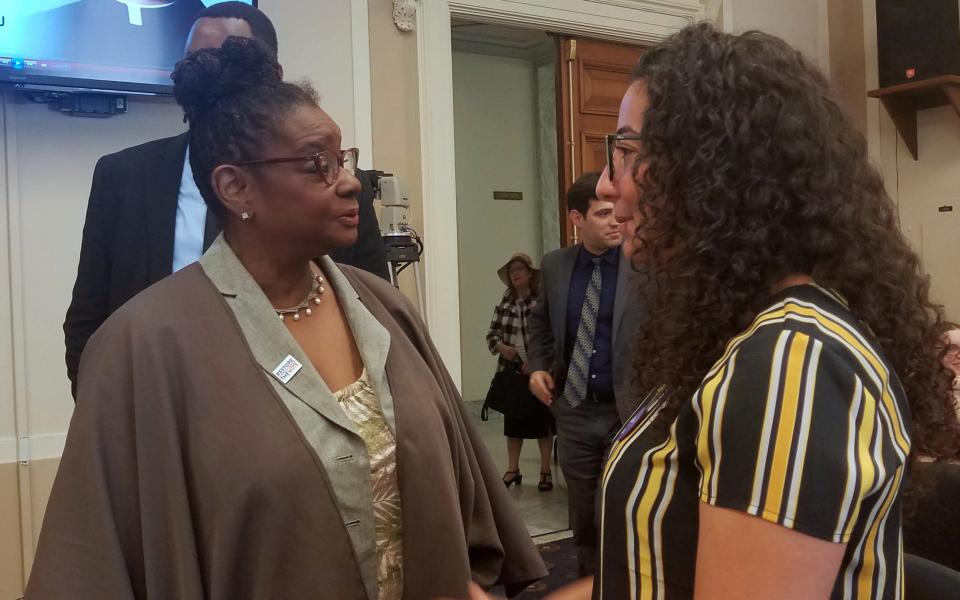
column 505, row 130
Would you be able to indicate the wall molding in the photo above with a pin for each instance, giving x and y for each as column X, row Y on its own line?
column 362, row 94
column 437, row 164
column 637, row 21
column 42, row 447
column 470, row 47
column 643, row 21
column 485, row 39
column 17, row 311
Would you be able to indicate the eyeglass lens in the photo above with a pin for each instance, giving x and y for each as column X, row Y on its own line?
column 329, row 167
column 609, row 141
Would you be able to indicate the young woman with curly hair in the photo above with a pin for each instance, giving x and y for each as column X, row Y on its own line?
column 790, row 325
column 791, row 343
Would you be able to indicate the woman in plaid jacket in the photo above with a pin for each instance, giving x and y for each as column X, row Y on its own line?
column 525, row 417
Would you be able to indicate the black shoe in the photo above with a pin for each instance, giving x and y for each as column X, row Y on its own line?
column 516, row 479
column 546, row 482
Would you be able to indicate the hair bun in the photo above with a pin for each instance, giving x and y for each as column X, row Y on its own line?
column 205, row 77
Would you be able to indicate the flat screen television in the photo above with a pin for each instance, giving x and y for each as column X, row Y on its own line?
column 103, row 45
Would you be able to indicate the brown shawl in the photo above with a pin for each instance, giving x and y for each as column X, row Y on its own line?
column 184, row 476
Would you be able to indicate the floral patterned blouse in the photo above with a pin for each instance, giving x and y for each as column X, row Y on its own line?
column 359, row 401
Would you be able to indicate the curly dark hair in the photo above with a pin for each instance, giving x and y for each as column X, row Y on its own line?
column 753, row 173
column 234, row 99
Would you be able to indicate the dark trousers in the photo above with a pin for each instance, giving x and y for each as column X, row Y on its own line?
column 584, row 436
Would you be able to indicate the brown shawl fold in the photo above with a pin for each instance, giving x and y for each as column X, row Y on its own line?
column 184, row 476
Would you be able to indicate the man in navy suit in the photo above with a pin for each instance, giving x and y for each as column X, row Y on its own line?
column 583, row 372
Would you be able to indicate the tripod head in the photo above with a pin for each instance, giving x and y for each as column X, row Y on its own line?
column 395, row 213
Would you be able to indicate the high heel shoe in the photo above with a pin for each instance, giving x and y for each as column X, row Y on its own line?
column 516, row 479
column 546, row 482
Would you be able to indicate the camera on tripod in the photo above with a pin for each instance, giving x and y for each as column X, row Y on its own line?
column 402, row 242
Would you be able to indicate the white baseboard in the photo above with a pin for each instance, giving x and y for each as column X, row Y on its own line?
column 40, row 447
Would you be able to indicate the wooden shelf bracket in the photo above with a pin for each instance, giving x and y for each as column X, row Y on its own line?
column 904, row 101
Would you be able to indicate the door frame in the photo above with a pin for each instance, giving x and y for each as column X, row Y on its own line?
column 635, row 21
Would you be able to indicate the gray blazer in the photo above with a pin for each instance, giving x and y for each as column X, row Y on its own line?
column 548, row 324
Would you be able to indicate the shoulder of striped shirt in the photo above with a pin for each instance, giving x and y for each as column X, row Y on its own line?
column 836, row 332
column 841, row 339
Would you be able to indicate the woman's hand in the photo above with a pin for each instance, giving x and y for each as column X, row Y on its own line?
column 476, row 593
column 578, row 590
column 508, row 352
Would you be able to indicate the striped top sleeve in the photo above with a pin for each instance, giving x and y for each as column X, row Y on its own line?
column 791, row 430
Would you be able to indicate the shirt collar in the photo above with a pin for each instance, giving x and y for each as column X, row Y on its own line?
column 611, row 256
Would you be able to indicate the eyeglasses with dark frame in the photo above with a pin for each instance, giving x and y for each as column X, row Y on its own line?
column 328, row 163
column 610, row 141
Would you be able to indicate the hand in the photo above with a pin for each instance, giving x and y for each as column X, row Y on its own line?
column 541, row 386
column 579, row 590
column 476, row 593
column 508, row 352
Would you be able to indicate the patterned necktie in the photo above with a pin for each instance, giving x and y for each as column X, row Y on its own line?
column 575, row 389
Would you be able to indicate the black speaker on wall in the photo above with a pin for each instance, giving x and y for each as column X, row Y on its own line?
column 917, row 39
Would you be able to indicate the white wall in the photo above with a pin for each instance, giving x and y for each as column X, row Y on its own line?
column 316, row 44
column 495, row 119
column 801, row 23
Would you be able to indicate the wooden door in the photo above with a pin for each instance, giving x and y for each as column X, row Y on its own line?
column 593, row 76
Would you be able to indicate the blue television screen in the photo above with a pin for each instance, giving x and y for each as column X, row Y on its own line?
column 116, row 45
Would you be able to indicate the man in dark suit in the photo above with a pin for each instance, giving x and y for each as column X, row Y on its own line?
column 578, row 353
column 146, row 218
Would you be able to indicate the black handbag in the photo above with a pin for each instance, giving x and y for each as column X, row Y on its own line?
column 503, row 387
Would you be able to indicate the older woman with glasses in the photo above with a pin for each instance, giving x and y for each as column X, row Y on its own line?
column 265, row 423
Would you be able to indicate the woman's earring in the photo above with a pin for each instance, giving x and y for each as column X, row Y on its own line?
column 245, row 216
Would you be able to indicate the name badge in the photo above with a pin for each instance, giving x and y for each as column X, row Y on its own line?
column 287, row 369
column 650, row 406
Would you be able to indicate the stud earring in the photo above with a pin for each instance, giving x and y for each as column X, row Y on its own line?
column 245, row 216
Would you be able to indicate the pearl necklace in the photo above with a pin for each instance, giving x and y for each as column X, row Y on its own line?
column 314, row 296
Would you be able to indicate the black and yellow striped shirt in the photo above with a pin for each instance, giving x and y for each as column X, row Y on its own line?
column 802, row 423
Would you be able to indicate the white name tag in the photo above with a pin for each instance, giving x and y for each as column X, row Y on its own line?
column 287, row 369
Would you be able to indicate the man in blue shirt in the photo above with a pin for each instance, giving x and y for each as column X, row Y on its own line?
column 578, row 353
column 146, row 218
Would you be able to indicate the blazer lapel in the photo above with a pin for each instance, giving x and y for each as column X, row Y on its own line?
column 270, row 342
column 560, row 294
column 161, row 188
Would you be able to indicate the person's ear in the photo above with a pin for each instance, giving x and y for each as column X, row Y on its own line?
column 233, row 186
column 577, row 218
